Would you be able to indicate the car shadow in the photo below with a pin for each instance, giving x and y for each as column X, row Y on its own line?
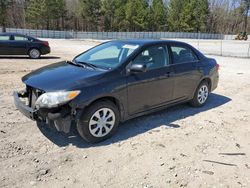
column 136, row 126
column 26, row 57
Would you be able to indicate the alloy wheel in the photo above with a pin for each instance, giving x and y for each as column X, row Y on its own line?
column 202, row 94
column 34, row 53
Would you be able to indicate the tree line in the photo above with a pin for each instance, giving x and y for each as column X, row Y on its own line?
column 213, row 16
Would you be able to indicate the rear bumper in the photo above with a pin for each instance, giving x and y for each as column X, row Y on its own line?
column 45, row 50
column 24, row 109
column 215, row 81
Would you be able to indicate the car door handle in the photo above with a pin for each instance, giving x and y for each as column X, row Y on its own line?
column 200, row 69
column 169, row 74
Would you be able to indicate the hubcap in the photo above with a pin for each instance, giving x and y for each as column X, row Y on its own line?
column 203, row 94
column 102, row 122
column 34, row 53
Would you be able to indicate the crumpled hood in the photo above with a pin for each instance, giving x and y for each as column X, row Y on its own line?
column 60, row 76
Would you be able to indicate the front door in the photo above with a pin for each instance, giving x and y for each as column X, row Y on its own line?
column 4, row 42
column 154, row 87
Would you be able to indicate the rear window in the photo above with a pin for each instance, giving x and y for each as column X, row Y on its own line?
column 182, row 54
column 2, row 38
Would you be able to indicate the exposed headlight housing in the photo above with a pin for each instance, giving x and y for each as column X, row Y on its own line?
column 55, row 99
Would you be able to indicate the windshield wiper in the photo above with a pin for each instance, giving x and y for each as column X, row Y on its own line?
column 76, row 64
column 86, row 64
column 82, row 64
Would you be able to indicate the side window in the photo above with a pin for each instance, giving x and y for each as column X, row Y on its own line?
column 154, row 57
column 182, row 54
column 20, row 38
column 4, row 38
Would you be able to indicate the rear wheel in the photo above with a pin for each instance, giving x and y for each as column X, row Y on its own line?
column 34, row 53
column 98, row 122
column 201, row 95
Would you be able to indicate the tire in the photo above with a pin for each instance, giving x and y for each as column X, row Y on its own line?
column 95, row 129
column 34, row 53
column 201, row 95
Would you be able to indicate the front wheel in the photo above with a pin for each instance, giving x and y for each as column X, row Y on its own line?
column 98, row 122
column 201, row 95
column 34, row 53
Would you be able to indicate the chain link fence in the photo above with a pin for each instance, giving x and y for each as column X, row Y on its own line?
column 231, row 48
column 213, row 44
column 112, row 35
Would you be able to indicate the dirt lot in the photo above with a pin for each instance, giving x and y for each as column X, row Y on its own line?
column 177, row 147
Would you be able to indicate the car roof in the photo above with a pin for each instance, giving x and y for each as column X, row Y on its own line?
column 16, row 34
column 143, row 42
column 146, row 42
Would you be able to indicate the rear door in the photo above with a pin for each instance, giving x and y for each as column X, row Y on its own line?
column 187, row 75
column 153, row 88
column 19, row 45
column 4, row 42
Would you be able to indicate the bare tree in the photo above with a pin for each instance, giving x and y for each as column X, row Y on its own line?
column 246, row 4
column 4, row 6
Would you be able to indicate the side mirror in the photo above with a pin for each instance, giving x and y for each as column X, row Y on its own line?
column 138, row 68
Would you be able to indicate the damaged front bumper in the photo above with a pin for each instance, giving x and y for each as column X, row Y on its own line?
column 62, row 117
column 22, row 107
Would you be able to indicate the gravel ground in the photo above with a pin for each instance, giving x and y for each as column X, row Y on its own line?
column 177, row 147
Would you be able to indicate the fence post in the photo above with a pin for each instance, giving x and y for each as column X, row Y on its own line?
column 249, row 50
column 199, row 40
column 221, row 38
column 221, row 47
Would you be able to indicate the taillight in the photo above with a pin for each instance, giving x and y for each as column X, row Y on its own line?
column 46, row 43
column 217, row 66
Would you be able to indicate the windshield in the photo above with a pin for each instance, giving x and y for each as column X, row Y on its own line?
column 108, row 55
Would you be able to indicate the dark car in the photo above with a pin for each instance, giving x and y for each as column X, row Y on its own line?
column 17, row 44
column 114, row 82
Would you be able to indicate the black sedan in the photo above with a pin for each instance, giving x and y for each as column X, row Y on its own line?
column 114, row 82
column 17, row 44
